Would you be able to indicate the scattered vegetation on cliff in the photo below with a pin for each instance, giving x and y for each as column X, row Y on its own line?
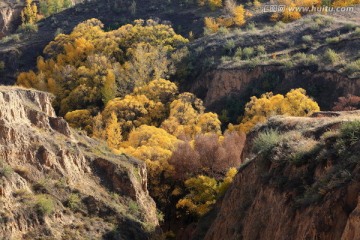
column 290, row 148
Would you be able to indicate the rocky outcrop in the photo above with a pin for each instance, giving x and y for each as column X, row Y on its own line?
column 311, row 193
column 42, row 158
column 10, row 16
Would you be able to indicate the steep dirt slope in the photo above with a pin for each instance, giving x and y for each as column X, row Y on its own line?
column 304, row 184
column 58, row 184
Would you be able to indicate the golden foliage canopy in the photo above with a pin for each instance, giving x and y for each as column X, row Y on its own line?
column 203, row 192
column 89, row 67
column 294, row 103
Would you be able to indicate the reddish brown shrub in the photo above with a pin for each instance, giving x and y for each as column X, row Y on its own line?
column 210, row 156
column 348, row 103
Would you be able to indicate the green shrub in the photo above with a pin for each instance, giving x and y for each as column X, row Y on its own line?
column 74, row 202
column 260, row 50
column 306, row 150
column 299, row 56
column 251, row 26
column 310, row 59
column 352, row 67
column 305, row 59
column 248, row 52
column 229, row 45
column 332, row 40
column 28, row 28
column 6, row 170
column 11, row 38
column 237, row 31
column 238, row 52
column 44, row 204
column 350, row 26
column 223, row 31
column 311, row 196
column 279, row 25
column 350, row 132
column 266, row 141
column 330, row 56
column 254, row 62
column 314, row 26
column 328, row 20
column 288, row 64
column 307, row 38
column 225, row 59
column 134, row 208
column 160, row 216
column 357, row 31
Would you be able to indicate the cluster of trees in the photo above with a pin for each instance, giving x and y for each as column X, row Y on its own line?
column 29, row 15
column 88, row 67
column 175, row 137
column 112, row 85
column 234, row 16
column 33, row 12
column 49, row 7
column 258, row 110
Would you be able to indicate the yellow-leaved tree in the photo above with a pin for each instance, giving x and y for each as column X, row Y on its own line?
column 234, row 15
column 239, row 15
column 80, row 119
column 113, row 132
column 214, row 4
column 203, row 192
column 258, row 110
column 132, row 111
column 29, row 13
column 187, row 117
column 154, row 146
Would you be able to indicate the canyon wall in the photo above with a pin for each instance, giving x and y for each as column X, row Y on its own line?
column 58, row 183
column 282, row 194
column 324, row 86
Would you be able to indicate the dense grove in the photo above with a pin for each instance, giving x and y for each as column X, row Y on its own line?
column 114, row 85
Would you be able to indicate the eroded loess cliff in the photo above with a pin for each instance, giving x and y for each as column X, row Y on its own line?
column 57, row 183
column 301, row 181
column 10, row 16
